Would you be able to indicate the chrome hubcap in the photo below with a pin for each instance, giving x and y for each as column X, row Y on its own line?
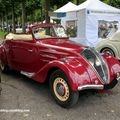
column 61, row 89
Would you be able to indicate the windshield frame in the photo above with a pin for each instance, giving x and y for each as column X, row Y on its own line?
column 53, row 30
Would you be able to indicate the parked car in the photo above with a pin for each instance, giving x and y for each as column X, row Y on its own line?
column 19, row 30
column 110, row 45
column 47, row 54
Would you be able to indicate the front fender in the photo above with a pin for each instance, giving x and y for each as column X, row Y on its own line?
column 74, row 70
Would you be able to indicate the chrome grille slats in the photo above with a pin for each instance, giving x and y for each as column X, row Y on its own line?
column 97, row 62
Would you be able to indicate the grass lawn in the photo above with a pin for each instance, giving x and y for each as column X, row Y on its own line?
column 2, row 34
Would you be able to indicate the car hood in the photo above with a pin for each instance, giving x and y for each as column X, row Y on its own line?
column 64, row 44
column 114, row 40
column 109, row 40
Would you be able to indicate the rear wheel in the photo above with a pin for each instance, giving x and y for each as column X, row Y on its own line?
column 3, row 67
column 61, row 90
column 108, row 51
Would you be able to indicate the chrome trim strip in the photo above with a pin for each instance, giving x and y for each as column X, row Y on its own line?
column 103, row 60
column 93, row 69
column 84, row 87
column 105, row 63
column 27, row 74
column 54, row 52
column 47, row 56
column 45, row 60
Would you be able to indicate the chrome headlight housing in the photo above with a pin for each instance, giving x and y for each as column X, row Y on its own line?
column 97, row 62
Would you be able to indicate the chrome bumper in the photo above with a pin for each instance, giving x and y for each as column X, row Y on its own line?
column 85, row 87
column 100, row 87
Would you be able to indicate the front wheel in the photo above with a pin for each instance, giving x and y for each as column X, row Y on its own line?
column 61, row 90
column 108, row 51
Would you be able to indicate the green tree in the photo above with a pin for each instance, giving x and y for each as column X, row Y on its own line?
column 4, row 13
column 47, row 7
column 114, row 3
column 8, row 8
column 23, row 3
column 13, row 15
column 34, row 10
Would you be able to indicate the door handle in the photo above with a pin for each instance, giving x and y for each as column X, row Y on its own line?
column 30, row 50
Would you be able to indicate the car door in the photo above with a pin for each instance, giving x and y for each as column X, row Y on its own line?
column 23, row 55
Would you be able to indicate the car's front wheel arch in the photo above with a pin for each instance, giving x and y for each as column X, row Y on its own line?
column 108, row 50
column 49, row 73
column 55, row 68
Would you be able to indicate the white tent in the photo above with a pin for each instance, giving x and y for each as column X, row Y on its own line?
column 61, row 12
column 90, row 18
column 66, row 8
column 96, row 5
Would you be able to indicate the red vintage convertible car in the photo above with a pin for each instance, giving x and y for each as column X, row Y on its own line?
column 45, row 53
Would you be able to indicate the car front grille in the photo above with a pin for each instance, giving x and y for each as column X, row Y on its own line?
column 97, row 62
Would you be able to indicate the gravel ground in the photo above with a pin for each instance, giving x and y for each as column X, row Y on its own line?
column 22, row 93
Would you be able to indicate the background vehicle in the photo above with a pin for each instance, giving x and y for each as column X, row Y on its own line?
column 110, row 45
column 47, row 54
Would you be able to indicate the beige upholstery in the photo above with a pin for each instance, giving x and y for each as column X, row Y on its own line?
column 18, row 36
column 41, row 35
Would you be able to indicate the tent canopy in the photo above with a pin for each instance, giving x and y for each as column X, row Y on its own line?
column 96, row 5
column 90, row 21
column 66, row 8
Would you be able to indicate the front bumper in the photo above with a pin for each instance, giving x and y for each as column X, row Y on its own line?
column 101, row 87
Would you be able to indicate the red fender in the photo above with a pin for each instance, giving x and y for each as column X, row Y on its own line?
column 76, row 72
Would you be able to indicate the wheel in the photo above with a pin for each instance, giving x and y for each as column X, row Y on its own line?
column 61, row 90
column 108, row 51
column 3, row 67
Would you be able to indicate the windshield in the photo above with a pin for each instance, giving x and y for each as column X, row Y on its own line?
column 55, row 31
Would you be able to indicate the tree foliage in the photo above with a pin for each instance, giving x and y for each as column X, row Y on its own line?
column 114, row 3
column 22, row 11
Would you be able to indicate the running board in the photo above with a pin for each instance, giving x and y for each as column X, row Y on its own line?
column 27, row 74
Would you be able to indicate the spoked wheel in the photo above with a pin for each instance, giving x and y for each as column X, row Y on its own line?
column 108, row 51
column 3, row 67
column 61, row 90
